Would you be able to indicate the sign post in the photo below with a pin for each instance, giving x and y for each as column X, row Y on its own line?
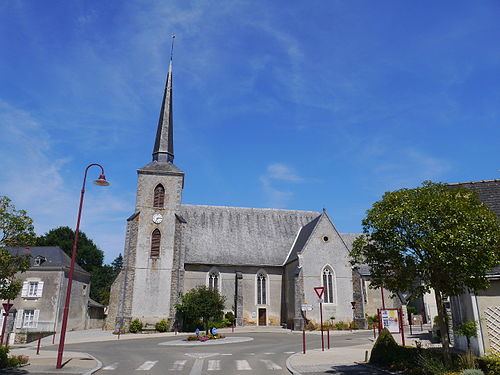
column 6, row 306
column 319, row 292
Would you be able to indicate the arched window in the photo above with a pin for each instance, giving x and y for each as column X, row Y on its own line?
column 328, row 284
column 159, row 196
column 155, row 243
column 213, row 280
column 261, row 288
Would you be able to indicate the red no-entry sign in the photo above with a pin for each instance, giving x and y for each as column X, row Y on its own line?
column 319, row 291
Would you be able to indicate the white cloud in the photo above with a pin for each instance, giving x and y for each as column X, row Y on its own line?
column 277, row 172
column 32, row 176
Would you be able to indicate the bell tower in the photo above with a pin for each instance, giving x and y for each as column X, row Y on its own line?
column 150, row 238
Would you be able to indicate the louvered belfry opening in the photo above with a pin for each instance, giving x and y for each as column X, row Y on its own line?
column 159, row 196
column 155, row 243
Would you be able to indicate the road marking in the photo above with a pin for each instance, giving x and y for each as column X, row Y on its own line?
column 269, row 353
column 250, row 353
column 197, row 367
column 227, row 354
column 242, row 364
column 270, row 364
column 148, row 365
column 213, row 365
column 289, row 352
column 201, row 355
column 112, row 366
column 178, row 365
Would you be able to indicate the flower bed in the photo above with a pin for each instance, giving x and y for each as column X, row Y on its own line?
column 205, row 337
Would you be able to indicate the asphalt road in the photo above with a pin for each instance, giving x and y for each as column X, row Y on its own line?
column 265, row 354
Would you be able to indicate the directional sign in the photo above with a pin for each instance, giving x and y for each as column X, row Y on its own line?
column 306, row 307
column 319, row 291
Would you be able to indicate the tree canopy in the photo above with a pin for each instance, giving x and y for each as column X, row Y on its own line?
column 88, row 255
column 16, row 230
column 201, row 304
column 433, row 236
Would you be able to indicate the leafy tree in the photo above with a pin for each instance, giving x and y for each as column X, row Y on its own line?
column 117, row 264
column 88, row 255
column 467, row 329
column 102, row 278
column 16, row 229
column 432, row 236
column 201, row 303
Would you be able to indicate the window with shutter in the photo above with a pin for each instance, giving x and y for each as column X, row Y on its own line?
column 155, row 243
column 40, row 289
column 159, row 196
column 33, row 289
column 19, row 318
column 28, row 319
column 24, row 291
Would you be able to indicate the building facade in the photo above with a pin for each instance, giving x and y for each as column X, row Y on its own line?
column 265, row 261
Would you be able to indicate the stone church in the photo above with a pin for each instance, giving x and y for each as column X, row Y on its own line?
column 265, row 261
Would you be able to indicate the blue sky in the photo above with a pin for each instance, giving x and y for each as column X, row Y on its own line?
column 285, row 104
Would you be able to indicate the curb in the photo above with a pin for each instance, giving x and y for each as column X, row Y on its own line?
column 289, row 366
column 95, row 369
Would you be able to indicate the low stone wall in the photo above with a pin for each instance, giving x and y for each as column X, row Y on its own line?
column 26, row 337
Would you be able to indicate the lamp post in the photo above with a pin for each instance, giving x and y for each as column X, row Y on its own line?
column 101, row 181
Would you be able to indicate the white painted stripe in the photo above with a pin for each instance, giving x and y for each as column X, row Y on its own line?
column 197, row 367
column 241, row 364
column 148, row 365
column 269, row 353
column 271, row 365
column 178, row 365
column 289, row 352
column 227, row 354
column 213, row 365
column 112, row 366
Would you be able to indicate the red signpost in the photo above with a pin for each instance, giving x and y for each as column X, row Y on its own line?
column 319, row 292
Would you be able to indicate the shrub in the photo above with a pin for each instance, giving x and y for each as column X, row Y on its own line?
column 311, row 326
column 466, row 361
column 471, row 371
column 385, row 350
column 432, row 364
column 162, row 325
column 230, row 316
column 490, row 364
column 340, row 326
column 7, row 361
column 372, row 319
column 135, row 326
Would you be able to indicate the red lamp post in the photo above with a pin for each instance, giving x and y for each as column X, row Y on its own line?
column 101, row 181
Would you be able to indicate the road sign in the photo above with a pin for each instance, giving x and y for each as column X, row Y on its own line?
column 306, row 307
column 319, row 291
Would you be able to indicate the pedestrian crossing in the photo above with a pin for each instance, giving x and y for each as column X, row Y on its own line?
column 211, row 365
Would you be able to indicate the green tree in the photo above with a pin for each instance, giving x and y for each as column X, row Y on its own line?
column 88, row 255
column 16, row 230
column 432, row 236
column 467, row 329
column 102, row 278
column 201, row 304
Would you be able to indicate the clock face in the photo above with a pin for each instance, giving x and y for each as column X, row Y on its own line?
column 157, row 218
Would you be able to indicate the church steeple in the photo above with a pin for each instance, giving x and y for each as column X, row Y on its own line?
column 163, row 150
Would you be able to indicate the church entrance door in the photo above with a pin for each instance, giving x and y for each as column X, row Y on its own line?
column 262, row 317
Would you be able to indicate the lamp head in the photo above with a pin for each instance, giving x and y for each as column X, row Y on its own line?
column 101, row 181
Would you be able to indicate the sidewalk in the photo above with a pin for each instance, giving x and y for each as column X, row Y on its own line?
column 344, row 359
column 45, row 362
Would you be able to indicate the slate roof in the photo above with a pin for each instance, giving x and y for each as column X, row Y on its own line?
column 302, row 238
column 488, row 192
column 54, row 255
column 240, row 236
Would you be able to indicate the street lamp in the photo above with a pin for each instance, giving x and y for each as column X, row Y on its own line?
column 101, row 181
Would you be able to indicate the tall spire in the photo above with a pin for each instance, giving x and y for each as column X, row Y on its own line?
column 164, row 143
